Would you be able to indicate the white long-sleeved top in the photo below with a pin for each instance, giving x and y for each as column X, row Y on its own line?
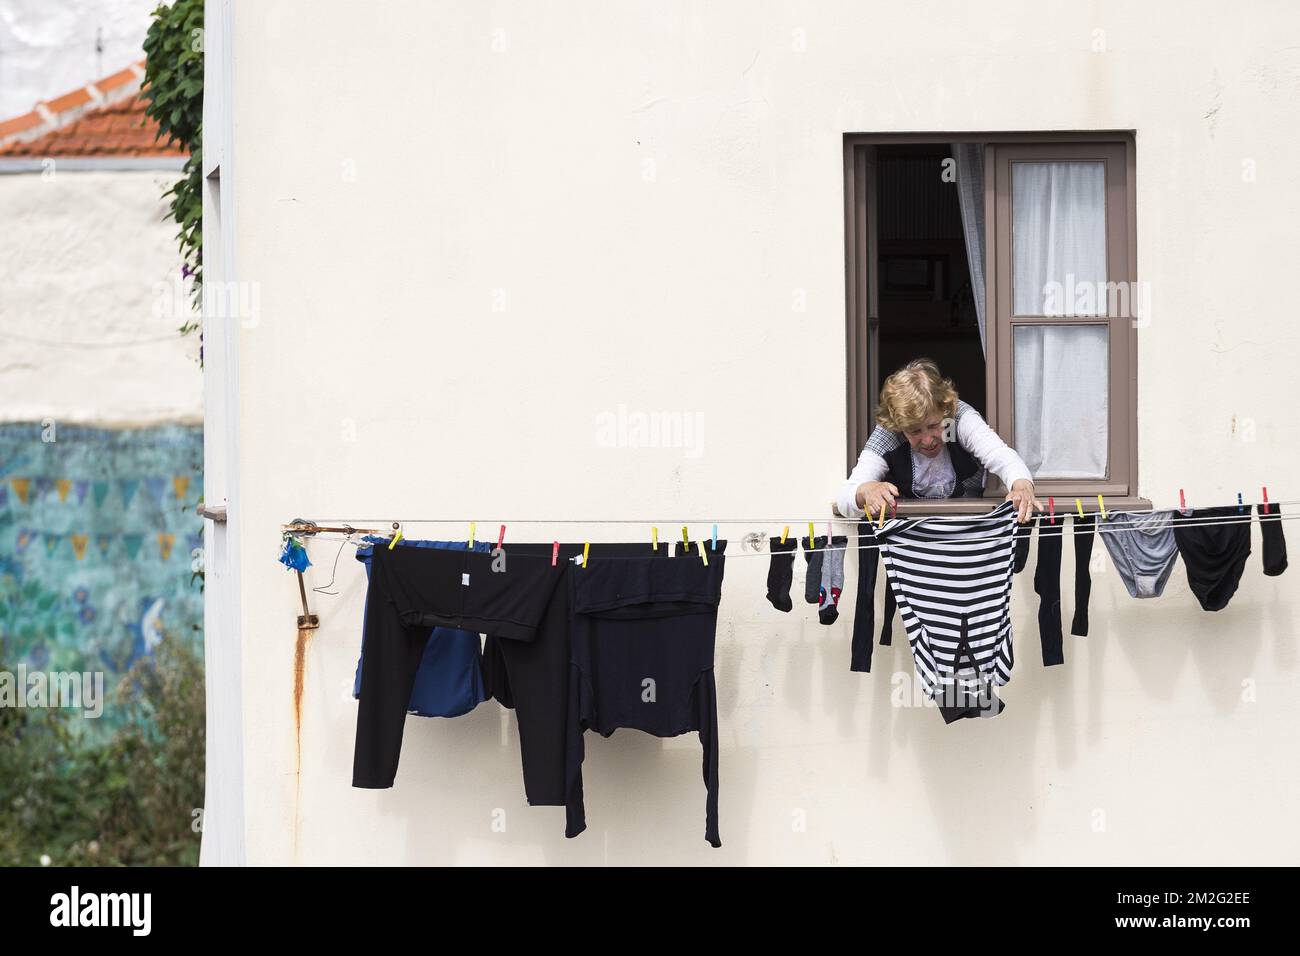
column 973, row 434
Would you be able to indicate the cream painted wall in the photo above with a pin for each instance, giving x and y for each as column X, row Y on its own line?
column 90, row 302
column 474, row 228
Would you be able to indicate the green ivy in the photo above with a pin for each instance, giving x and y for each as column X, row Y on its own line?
column 173, row 88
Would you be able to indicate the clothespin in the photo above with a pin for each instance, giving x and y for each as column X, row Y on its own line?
column 1079, row 504
column 1265, row 490
column 555, row 553
column 812, row 537
column 501, row 537
column 1182, row 500
column 704, row 554
column 1051, row 510
column 893, row 509
column 586, row 546
column 654, row 538
column 715, row 541
column 397, row 528
column 829, row 535
column 1239, row 502
column 1101, row 506
column 686, row 541
column 881, row 520
column 471, row 536
column 785, row 533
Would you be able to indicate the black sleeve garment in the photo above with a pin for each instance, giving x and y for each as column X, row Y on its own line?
column 1082, row 531
column 1274, row 547
column 1047, row 585
column 643, row 635
column 864, row 610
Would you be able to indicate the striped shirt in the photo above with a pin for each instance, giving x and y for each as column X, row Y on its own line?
column 951, row 579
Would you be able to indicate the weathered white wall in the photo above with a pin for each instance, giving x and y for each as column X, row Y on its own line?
column 474, row 228
column 91, row 301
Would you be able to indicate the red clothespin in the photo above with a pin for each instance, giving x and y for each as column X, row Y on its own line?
column 1051, row 510
column 501, row 537
column 893, row 509
column 1265, row 490
column 555, row 552
column 1182, row 501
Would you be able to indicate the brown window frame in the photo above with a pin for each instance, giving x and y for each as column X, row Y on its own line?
column 1118, row 148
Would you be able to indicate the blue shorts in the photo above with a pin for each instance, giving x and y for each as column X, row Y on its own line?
column 450, row 679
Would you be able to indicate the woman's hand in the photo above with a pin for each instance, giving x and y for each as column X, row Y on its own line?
column 1022, row 493
column 873, row 495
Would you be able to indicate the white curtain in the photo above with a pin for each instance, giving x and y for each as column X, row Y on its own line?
column 1061, row 399
column 1058, row 221
column 970, row 196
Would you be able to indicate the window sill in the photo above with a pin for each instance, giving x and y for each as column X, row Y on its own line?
column 916, row 508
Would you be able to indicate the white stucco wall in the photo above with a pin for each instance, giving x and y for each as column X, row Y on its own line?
column 474, row 228
column 90, row 301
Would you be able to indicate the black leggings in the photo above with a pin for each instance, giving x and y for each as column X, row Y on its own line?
column 642, row 657
column 524, row 610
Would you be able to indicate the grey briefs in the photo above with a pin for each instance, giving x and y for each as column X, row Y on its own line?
column 1143, row 549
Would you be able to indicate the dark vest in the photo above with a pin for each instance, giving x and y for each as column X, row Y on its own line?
column 900, row 468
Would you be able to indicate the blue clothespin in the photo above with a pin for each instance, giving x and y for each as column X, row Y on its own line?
column 1239, row 502
column 715, row 537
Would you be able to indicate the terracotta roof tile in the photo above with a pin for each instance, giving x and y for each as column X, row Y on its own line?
column 77, row 125
column 120, row 129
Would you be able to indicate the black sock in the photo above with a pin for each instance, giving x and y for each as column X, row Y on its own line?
column 864, row 612
column 1083, row 532
column 1047, row 585
column 1270, row 526
column 1022, row 544
column 814, row 553
column 780, row 573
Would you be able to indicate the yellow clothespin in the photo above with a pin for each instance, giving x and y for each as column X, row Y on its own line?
column 396, row 537
column 1101, row 505
column 812, row 538
column 586, row 547
column 654, row 538
column 686, row 541
column 471, row 535
column 704, row 553
column 1079, row 504
column 881, row 520
column 785, row 533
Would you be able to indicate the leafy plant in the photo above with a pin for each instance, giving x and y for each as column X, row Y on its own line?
column 129, row 802
column 173, row 89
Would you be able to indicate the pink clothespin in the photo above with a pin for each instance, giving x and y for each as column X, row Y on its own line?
column 1265, row 490
column 893, row 509
column 501, row 536
column 1182, row 501
column 1051, row 510
column 555, row 552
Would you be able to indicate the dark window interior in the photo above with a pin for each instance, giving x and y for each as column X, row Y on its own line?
column 926, row 305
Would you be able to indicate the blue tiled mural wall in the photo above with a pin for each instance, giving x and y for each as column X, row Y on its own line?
column 98, row 544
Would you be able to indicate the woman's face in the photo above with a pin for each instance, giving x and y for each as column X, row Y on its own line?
column 927, row 437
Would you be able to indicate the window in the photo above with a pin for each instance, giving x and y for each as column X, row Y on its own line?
column 1010, row 260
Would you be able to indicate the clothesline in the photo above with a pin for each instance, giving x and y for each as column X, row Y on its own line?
column 1099, row 528
column 819, row 520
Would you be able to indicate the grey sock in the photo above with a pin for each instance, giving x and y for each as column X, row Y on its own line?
column 812, row 585
column 828, row 609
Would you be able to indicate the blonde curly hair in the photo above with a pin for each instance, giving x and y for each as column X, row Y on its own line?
column 913, row 393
